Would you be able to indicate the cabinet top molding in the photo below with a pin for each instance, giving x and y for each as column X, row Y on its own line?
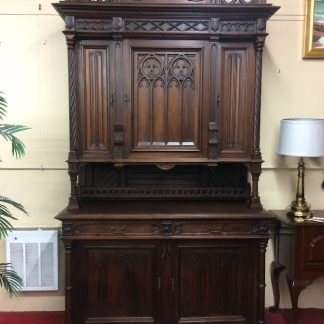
column 101, row 9
column 192, row 2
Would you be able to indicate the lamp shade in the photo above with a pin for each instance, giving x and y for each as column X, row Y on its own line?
column 303, row 137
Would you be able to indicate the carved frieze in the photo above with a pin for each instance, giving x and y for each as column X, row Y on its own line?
column 163, row 228
column 214, row 25
column 170, row 193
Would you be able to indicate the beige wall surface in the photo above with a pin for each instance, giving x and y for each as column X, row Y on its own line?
column 33, row 67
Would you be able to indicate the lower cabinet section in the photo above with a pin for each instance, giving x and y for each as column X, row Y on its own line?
column 165, row 281
column 115, row 282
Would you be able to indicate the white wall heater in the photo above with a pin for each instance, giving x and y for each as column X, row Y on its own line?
column 34, row 256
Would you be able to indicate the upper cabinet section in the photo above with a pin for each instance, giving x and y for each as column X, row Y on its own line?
column 165, row 81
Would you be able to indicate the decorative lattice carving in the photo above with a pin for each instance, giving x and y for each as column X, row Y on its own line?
column 235, row 27
column 238, row 1
column 214, row 25
column 176, row 26
column 93, row 24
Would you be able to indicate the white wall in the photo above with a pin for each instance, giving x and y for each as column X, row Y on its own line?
column 292, row 87
column 33, row 67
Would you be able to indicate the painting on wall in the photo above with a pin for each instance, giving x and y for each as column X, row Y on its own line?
column 314, row 29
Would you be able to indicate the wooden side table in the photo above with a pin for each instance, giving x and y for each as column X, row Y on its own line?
column 299, row 248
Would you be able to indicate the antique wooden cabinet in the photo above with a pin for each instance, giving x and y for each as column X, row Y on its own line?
column 162, row 224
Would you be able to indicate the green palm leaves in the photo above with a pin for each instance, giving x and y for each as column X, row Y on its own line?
column 9, row 279
column 7, row 131
column 6, row 215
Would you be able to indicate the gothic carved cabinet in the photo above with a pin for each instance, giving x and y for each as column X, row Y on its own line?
column 162, row 224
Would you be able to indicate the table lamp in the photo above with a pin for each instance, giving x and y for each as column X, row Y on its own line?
column 302, row 137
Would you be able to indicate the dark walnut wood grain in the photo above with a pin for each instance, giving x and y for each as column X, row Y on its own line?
column 299, row 250
column 162, row 224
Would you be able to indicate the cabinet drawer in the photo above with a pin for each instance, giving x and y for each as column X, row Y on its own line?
column 152, row 229
column 312, row 247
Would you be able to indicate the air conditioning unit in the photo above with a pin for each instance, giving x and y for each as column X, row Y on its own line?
column 34, row 256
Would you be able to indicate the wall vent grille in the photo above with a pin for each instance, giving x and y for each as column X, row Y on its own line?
column 34, row 256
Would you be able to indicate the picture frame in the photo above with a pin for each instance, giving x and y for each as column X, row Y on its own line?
column 314, row 29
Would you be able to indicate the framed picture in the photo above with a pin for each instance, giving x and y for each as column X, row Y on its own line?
column 314, row 29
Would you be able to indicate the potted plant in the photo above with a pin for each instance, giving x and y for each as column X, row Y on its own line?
column 9, row 279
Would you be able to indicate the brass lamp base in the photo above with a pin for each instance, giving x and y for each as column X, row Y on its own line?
column 299, row 211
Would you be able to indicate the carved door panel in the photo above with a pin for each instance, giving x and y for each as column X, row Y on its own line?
column 164, row 96
column 214, row 282
column 95, row 97
column 115, row 282
column 236, row 108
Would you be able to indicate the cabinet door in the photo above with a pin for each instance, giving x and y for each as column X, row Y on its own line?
column 95, row 96
column 214, row 282
column 236, row 70
column 165, row 94
column 115, row 282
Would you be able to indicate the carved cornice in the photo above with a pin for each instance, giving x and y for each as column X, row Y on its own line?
column 222, row 2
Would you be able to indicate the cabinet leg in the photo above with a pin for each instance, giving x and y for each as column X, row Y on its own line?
column 295, row 288
column 276, row 269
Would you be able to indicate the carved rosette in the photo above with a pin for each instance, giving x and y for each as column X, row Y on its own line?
column 261, row 25
column 67, row 228
column 260, row 229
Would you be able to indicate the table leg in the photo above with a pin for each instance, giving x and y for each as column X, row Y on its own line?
column 276, row 269
column 295, row 288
